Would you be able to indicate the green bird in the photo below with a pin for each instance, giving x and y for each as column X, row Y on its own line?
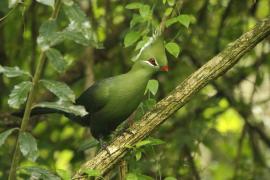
column 111, row 101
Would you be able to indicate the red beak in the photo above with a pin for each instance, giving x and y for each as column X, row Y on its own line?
column 164, row 68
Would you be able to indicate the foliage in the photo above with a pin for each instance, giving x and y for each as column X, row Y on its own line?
column 221, row 134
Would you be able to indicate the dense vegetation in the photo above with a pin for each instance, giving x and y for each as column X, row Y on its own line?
column 51, row 51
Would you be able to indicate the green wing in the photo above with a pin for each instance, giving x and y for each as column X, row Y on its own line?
column 95, row 97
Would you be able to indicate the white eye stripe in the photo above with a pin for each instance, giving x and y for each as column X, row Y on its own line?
column 149, row 63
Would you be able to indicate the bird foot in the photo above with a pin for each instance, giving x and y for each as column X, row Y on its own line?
column 104, row 146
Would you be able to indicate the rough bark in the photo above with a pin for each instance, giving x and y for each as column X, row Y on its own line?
column 214, row 68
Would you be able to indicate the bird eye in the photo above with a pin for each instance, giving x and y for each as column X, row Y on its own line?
column 152, row 61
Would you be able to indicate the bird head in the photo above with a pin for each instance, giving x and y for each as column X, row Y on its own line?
column 153, row 53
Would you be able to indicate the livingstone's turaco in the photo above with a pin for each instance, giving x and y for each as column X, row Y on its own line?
column 111, row 101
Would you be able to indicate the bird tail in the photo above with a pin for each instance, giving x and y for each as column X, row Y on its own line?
column 38, row 111
column 84, row 121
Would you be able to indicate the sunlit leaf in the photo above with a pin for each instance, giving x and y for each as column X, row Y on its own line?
column 171, row 21
column 155, row 141
column 134, row 5
column 138, row 155
column 131, row 38
column 41, row 172
column 92, row 172
column 168, row 11
column 19, row 94
column 28, row 146
column 65, row 175
column 13, row 3
column 145, row 11
column 132, row 176
column 173, row 49
column 47, row 2
column 60, row 89
column 143, row 143
column 5, row 134
column 137, row 176
column 184, row 20
column 64, row 106
column 170, row 178
column 137, row 19
column 56, row 59
column 171, row 2
column 152, row 86
column 229, row 121
column 11, row 72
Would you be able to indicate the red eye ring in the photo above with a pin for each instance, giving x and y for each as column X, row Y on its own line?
column 152, row 61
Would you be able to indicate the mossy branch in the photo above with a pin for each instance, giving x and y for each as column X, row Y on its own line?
column 214, row 68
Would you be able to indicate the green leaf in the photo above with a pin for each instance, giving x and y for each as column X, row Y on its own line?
column 61, row 90
column 19, row 94
column 48, row 35
column 173, row 49
column 43, row 173
column 171, row 2
column 136, row 19
column 47, row 2
column 64, row 106
column 56, row 59
column 134, row 5
column 133, row 176
column 5, row 134
column 131, row 38
column 163, row 1
column 138, row 155
column 145, row 11
column 168, row 11
column 171, row 21
column 76, row 36
column 11, row 72
column 65, row 175
column 87, row 144
column 149, row 141
column 92, row 172
column 13, row 3
column 170, row 178
column 184, row 20
column 28, row 146
column 142, row 43
column 74, row 13
column 142, row 143
column 152, row 86
column 155, row 141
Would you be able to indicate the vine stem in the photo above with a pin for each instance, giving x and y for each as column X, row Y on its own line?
column 27, row 112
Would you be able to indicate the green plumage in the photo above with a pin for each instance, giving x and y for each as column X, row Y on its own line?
column 111, row 101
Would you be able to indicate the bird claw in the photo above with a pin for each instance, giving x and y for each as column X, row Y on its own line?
column 104, row 146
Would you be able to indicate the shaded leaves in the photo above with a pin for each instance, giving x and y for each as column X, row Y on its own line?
column 28, row 146
column 4, row 135
column 19, row 94
column 61, row 90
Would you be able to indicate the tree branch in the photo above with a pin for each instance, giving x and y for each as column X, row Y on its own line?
column 178, row 98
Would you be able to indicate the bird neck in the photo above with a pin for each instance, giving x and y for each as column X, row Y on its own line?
column 141, row 73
